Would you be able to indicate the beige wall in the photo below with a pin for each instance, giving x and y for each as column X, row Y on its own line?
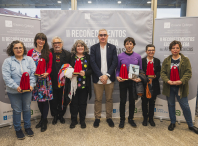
column 192, row 8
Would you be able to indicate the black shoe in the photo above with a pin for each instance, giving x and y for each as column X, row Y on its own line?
column 54, row 121
column 29, row 132
column 62, row 120
column 83, row 124
column 144, row 123
column 152, row 123
column 44, row 125
column 110, row 122
column 73, row 124
column 96, row 123
column 194, row 129
column 171, row 127
column 39, row 124
column 132, row 123
column 20, row 135
column 121, row 125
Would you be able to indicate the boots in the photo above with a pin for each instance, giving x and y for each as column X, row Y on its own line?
column 44, row 125
column 39, row 124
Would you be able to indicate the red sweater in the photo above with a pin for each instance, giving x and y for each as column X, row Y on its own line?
column 49, row 65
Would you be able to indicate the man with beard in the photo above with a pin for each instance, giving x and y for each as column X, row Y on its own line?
column 60, row 57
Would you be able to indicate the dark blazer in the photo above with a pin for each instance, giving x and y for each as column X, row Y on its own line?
column 65, row 57
column 95, row 60
column 87, row 73
column 157, row 70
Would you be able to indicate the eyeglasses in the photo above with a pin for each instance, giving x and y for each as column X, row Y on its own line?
column 150, row 50
column 57, row 43
column 18, row 48
column 101, row 35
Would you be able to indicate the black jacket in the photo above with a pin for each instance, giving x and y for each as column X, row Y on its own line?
column 139, row 88
column 95, row 59
column 87, row 73
column 157, row 69
column 64, row 58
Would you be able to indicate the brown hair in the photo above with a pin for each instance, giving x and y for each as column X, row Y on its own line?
column 173, row 43
column 129, row 39
column 45, row 51
column 10, row 47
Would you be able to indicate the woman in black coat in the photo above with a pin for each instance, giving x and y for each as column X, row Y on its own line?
column 150, row 50
column 79, row 100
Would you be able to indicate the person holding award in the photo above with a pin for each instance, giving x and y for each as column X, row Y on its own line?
column 80, row 61
column 176, row 72
column 124, row 60
column 18, row 75
column 43, row 89
column 151, row 66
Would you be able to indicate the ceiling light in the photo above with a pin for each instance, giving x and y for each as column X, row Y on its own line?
column 119, row 2
column 148, row 2
column 89, row 2
column 59, row 2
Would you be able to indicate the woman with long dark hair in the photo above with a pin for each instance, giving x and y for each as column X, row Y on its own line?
column 43, row 89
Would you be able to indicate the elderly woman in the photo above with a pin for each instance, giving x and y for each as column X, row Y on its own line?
column 128, row 57
column 175, row 73
column 79, row 100
column 43, row 89
column 12, row 70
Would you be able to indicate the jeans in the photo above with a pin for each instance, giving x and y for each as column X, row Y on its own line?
column 183, row 103
column 20, row 102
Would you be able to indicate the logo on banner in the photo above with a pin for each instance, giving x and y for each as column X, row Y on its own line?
column 8, row 23
column 7, row 117
column 31, row 112
column 166, row 24
column 178, row 113
column 115, row 110
column 160, row 110
column 87, row 15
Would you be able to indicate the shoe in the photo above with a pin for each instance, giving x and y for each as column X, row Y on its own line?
column 121, row 125
column 194, row 129
column 29, row 132
column 44, row 125
column 96, row 123
column 152, row 123
column 54, row 121
column 39, row 124
column 110, row 122
column 144, row 123
column 73, row 124
column 20, row 135
column 62, row 120
column 132, row 123
column 171, row 127
column 83, row 124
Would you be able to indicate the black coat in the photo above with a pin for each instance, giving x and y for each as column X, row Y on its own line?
column 157, row 69
column 87, row 73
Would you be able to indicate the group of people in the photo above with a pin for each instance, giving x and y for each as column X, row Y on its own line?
column 103, row 64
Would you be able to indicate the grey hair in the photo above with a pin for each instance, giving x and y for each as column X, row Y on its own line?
column 73, row 50
column 102, row 30
column 56, row 37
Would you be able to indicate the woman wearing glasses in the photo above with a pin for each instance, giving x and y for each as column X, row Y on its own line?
column 150, row 51
column 43, row 89
column 12, row 70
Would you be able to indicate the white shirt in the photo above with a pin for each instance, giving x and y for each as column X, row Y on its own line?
column 103, row 53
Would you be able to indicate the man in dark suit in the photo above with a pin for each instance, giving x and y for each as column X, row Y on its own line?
column 103, row 60
column 150, row 51
column 60, row 57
